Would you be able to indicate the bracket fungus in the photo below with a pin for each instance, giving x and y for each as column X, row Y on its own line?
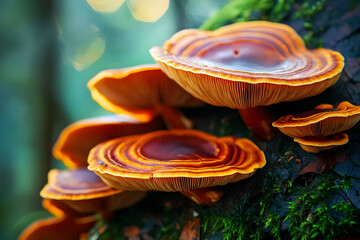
column 60, row 209
column 174, row 160
column 85, row 192
column 142, row 91
column 67, row 224
column 324, row 120
column 75, row 141
column 58, row 228
column 247, row 65
column 321, row 143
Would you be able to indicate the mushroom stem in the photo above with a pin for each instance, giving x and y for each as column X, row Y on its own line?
column 173, row 117
column 259, row 121
column 204, row 196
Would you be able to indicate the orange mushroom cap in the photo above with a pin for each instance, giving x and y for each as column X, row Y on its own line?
column 138, row 91
column 174, row 160
column 324, row 120
column 320, row 143
column 76, row 141
column 60, row 209
column 247, row 64
column 85, row 192
column 58, row 229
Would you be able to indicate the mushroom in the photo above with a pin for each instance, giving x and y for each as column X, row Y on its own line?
column 84, row 192
column 60, row 209
column 320, row 143
column 68, row 223
column 75, row 141
column 142, row 91
column 58, row 228
column 174, row 160
column 247, row 65
column 324, row 120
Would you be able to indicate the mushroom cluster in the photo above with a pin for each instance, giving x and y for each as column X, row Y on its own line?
column 244, row 66
column 321, row 128
column 75, row 195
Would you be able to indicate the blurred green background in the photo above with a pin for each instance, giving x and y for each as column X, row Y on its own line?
column 49, row 50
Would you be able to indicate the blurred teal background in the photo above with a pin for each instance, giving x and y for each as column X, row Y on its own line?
column 49, row 50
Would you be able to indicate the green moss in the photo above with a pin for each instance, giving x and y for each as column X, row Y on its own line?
column 307, row 208
column 308, row 215
column 167, row 230
column 312, row 216
column 255, row 220
column 306, row 12
column 270, row 10
column 237, row 11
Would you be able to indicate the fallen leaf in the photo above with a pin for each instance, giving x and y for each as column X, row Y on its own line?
column 324, row 160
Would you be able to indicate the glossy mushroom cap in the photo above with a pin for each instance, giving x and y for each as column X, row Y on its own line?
column 248, row 64
column 324, row 120
column 321, row 143
column 138, row 91
column 174, row 160
column 85, row 192
column 75, row 141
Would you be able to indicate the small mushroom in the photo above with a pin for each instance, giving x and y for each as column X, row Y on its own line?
column 142, row 91
column 247, row 65
column 84, row 192
column 324, row 120
column 75, row 141
column 317, row 144
column 174, row 160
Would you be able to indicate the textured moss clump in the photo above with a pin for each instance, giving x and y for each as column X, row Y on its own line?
column 284, row 210
column 270, row 10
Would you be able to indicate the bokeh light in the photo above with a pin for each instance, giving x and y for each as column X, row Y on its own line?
column 147, row 10
column 88, row 50
column 105, row 6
